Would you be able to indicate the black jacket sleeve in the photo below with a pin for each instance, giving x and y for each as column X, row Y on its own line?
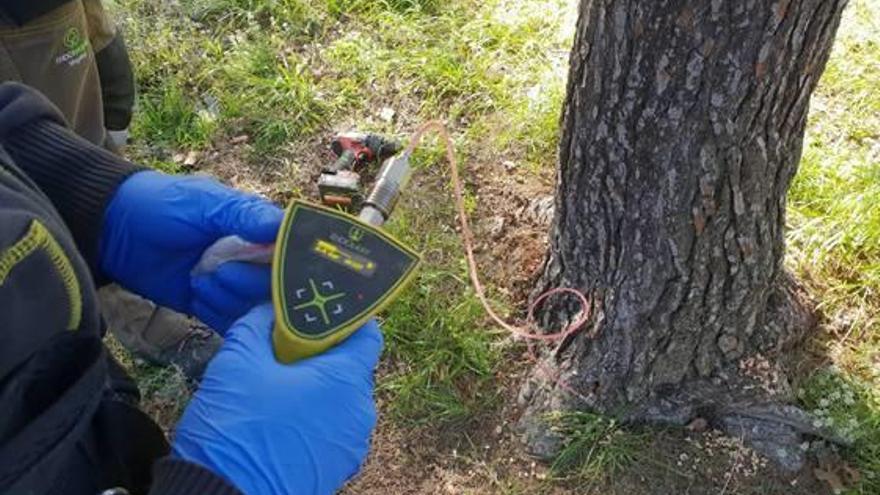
column 177, row 477
column 117, row 83
column 77, row 176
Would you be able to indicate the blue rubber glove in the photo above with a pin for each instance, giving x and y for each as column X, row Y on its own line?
column 274, row 429
column 156, row 228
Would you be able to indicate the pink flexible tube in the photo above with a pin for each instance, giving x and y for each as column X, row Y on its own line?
column 468, row 241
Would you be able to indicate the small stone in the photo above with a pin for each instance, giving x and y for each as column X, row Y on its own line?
column 191, row 158
column 495, row 227
column 698, row 425
column 509, row 165
column 211, row 109
column 387, row 114
column 727, row 343
column 240, row 139
column 178, row 157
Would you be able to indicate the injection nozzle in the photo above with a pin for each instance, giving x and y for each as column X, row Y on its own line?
column 393, row 177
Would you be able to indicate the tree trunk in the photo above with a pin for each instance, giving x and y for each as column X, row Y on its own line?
column 681, row 132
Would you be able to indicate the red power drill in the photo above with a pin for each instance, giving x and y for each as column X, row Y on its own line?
column 340, row 182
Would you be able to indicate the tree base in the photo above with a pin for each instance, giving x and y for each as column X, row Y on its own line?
column 749, row 399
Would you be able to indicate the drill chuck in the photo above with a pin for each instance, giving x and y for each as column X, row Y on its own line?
column 392, row 179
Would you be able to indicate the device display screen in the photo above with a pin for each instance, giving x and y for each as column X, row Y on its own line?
column 344, row 257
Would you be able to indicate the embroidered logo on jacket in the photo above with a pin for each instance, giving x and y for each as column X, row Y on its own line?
column 76, row 48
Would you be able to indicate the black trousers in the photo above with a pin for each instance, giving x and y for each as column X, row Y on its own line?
column 119, row 448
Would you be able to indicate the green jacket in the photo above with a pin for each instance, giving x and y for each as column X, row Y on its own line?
column 71, row 51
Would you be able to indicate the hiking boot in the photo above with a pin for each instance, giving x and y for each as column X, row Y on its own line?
column 158, row 335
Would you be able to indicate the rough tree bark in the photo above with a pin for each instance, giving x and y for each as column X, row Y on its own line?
column 681, row 132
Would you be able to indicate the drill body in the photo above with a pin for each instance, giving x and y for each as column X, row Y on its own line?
column 340, row 181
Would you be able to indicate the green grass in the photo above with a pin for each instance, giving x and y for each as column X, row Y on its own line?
column 165, row 391
column 834, row 237
column 442, row 351
column 223, row 70
column 260, row 75
column 282, row 70
column 444, row 361
column 168, row 117
column 596, row 447
column 834, row 202
column 849, row 407
column 287, row 70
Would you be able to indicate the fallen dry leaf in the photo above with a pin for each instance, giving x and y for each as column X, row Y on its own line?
column 852, row 474
column 831, row 478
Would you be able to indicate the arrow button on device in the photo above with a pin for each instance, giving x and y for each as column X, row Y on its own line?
column 310, row 318
column 338, row 310
column 328, row 284
column 300, row 293
column 319, row 301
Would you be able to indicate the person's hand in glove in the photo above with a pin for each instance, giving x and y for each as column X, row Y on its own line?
column 274, row 429
column 156, row 228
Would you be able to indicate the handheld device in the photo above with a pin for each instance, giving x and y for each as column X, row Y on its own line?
column 331, row 271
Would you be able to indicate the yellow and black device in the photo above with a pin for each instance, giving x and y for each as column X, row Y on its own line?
column 331, row 272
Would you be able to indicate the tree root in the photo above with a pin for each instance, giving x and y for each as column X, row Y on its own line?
column 776, row 430
column 749, row 399
column 779, row 432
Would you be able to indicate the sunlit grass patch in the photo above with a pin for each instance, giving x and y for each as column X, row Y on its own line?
column 443, row 355
column 168, row 117
column 444, row 361
column 834, row 203
column 271, row 91
column 851, row 408
column 833, row 237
